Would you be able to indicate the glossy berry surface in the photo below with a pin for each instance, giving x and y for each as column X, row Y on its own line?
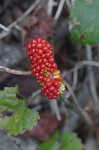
column 44, row 68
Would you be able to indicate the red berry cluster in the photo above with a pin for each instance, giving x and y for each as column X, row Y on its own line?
column 44, row 67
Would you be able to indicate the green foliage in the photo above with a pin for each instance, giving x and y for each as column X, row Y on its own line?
column 15, row 117
column 85, row 20
column 68, row 141
column 49, row 144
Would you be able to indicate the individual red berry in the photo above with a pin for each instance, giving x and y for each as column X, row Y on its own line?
column 47, row 63
column 29, row 46
column 47, row 91
column 45, row 78
column 34, row 71
column 43, row 41
column 48, row 79
column 51, row 69
column 33, row 45
column 42, row 70
column 44, row 60
column 42, row 66
column 38, row 39
column 49, row 83
column 45, row 49
column 33, row 50
column 52, row 88
column 40, row 77
column 54, row 65
column 55, row 91
column 34, row 41
column 57, row 84
column 39, row 45
column 34, row 59
column 47, row 55
column 44, row 44
column 51, row 60
column 59, row 79
column 37, row 74
column 58, row 93
column 48, row 45
column 40, row 52
column 39, row 61
column 38, row 68
column 43, row 55
column 38, row 56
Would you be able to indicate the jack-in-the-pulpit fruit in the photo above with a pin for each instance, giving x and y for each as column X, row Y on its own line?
column 45, row 69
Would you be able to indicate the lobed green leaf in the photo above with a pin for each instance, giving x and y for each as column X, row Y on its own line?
column 20, row 117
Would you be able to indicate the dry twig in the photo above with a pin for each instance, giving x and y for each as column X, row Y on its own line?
column 14, row 24
column 79, row 66
column 16, row 72
column 75, row 101
column 60, row 7
column 55, row 109
column 50, row 5
column 91, row 79
column 3, row 27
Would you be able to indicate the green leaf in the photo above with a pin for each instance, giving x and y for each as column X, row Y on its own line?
column 85, row 21
column 8, row 99
column 70, row 141
column 49, row 144
column 21, row 118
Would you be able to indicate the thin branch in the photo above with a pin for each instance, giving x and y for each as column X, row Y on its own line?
column 68, row 3
column 75, row 101
column 59, row 9
column 91, row 78
column 50, row 5
column 26, row 13
column 55, row 109
column 79, row 66
column 88, row 63
column 33, row 96
column 5, row 69
column 75, row 78
column 4, row 27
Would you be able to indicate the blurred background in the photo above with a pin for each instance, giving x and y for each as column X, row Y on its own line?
column 21, row 20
